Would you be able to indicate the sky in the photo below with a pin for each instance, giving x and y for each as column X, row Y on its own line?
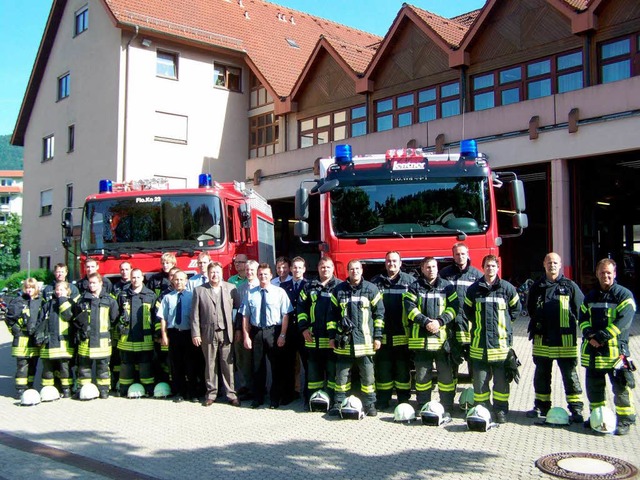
column 22, row 23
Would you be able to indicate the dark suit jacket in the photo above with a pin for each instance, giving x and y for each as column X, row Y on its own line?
column 202, row 311
column 293, row 298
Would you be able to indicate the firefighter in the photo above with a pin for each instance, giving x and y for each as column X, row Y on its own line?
column 355, row 334
column 462, row 274
column 605, row 319
column 60, row 272
column 393, row 364
column 137, row 326
column 21, row 319
column 91, row 265
column 314, row 313
column 160, row 281
column 57, row 336
column 94, row 315
column 491, row 304
column 431, row 305
column 119, row 286
column 554, row 305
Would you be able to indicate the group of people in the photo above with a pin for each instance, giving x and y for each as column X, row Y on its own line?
column 220, row 334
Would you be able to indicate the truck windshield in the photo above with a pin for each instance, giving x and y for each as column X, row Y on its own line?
column 441, row 206
column 152, row 222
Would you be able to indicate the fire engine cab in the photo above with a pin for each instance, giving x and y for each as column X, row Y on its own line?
column 140, row 220
column 412, row 201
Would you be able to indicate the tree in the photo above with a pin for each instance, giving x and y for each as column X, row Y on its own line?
column 10, row 250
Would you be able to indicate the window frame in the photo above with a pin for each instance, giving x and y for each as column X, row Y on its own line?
column 256, row 131
column 633, row 57
column 48, row 148
column 333, row 124
column 227, row 84
column 46, row 209
column 63, row 86
column 81, row 21
column 167, row 56
column 71, row 138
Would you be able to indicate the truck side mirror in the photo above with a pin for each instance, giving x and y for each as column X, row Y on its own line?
column 301, row 229
column 302, row 204
column 517, row 196
column 245, row 215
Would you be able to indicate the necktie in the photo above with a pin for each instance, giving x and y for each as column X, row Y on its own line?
column 296, row 289
column 263, row 308
column 179, row 309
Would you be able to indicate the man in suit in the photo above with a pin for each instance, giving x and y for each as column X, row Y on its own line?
column 212, row 330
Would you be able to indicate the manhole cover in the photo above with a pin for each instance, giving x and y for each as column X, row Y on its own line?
column 586, row 466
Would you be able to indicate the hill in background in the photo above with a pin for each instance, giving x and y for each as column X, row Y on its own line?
column 10, row 156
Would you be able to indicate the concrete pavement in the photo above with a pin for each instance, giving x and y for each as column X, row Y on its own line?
column 150, row 438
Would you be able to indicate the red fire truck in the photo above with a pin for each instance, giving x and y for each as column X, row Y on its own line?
column 140, row 220
column 412, row 201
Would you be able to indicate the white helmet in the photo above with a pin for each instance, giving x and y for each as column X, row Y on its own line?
column 432, row 414
column 351, row 408
column 479, row 419
column 136, row 390
column 603, row 420
column 404, row 413
column 49, row 393
column 89, row 392
column 162, row 390
column 319, row 401
column 30, row 397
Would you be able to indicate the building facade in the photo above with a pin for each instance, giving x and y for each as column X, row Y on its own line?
column 252, row 91
column 10, row 194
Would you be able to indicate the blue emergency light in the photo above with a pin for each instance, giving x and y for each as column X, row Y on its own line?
column 105, row 186
column 343, row 154
column 469, row 148
column 204, row 180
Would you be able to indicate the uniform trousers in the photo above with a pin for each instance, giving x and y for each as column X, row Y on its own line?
column 182, row 357
column 344, row 364
column 542, row 382
column 483, row 372
column 393, row 369
column 265, row 346
column 595, row 382
column 424, row 384
column 102, row 372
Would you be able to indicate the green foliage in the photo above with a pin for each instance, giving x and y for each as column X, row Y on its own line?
column 10, row 251
column 10, row 156
column 15, row 281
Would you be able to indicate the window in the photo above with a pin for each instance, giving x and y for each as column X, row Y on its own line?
column 71, row 138
column 264, row 132
column 6, row 182
column 170, row 127
column 44, row 262
column 69, row 195
column 82, row 20
column 227, row 77
column 5, row 200
column 46, row 202
column 64, row 85
column 167, row 65
column 333, row 127
column 619, row 59
column 259, row 94
column 48, row 144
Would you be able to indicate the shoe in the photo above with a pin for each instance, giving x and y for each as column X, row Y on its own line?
column 334, row 411
column 623, row 428
column 234, row 403
column 446, row 418
column 255, row 404
column 577, row 417
column 534, row 413
column 208, row 402
column 383, row 406
column 194, row 399
column 274, row 405
column 501, row 416
column 371, row 411
column 19, row 393
column 178, row 399
column 104, row 394
column 66, row 393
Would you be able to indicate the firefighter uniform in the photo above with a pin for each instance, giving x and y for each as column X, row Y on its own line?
column 137, row 325
column 21, row 319
column 425, row 303
column 315, row 310
column 606, row 316
column 58, row 347
column 93, row 319
column 358, row 319
column 83, row 285
column 460, row 335
column 294, row 345
column 554, row 307
column 491, row 309
column 392, row 361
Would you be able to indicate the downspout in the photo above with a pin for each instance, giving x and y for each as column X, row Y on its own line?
column 126, row 109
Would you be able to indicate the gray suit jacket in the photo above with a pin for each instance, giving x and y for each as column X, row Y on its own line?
column 203, row 307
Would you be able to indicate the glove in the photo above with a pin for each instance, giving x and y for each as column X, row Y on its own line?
column 457, row 352
column 511, row 365
column 123, row 328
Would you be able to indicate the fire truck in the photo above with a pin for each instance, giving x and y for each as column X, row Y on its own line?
column 138, row 221
column 412, row 201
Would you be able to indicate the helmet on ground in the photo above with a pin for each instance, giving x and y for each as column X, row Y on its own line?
column 162, row 390
column 603, row 420
column 466, row 399
column 557, row 416
column 49, row 393
column 351, row 408
column 432, row 414
column 136, row 390
column 319, row 401
column 30, row 397
column 89, row 392
column 478, row 419
column 404, row 413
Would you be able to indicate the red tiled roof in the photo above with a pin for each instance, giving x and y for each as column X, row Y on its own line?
column 467, row 19
column 357, row 57
column 578, row 4
column 257, row 27
column 450, row 30
column 12, row 173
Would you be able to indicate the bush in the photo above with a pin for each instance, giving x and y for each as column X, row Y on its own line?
column 14, row 281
